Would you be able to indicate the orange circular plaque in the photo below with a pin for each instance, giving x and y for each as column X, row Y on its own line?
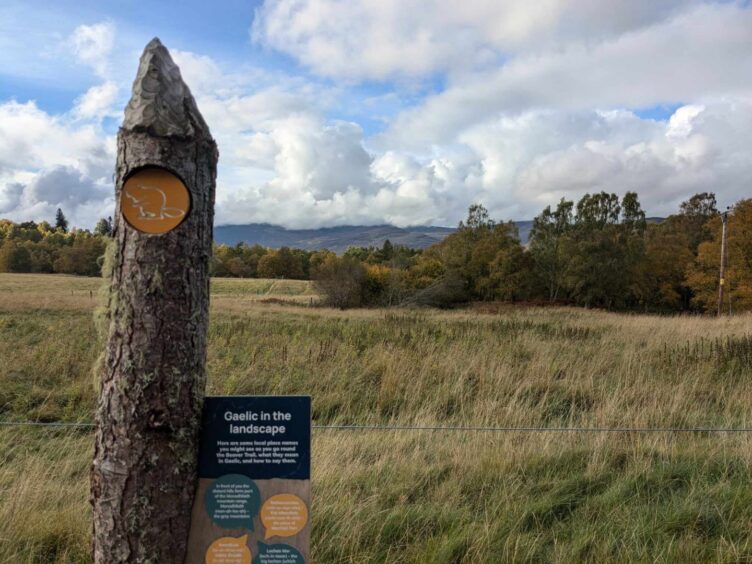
column 154, row 201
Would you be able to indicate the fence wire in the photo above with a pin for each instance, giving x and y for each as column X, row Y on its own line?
column 480, row 429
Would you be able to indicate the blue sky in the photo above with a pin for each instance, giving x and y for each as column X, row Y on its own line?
column 54, row 78
column 332, row 112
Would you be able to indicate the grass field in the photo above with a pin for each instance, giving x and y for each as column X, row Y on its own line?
column 423, row 496
column 24, row 292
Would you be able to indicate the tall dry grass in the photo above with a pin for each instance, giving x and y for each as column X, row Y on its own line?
column 422, row 496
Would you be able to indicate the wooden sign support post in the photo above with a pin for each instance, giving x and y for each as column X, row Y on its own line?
column 153, row 375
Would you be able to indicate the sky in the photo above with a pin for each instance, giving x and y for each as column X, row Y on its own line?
column 363, row 112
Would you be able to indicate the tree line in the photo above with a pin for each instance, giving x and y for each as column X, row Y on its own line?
column 47, row 248
column 598, row 252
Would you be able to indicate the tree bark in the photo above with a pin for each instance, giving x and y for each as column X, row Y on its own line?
column 153, row 375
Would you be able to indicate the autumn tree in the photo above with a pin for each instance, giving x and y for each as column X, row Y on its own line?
column 672, row 247
column 340, row 280
column 318, row 257
column 703, row 274
column 282, row 263
column 510, row 273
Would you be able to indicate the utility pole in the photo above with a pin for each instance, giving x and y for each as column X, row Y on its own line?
column 153, row 375
column 722, row 281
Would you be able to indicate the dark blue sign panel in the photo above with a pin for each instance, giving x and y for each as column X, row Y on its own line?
column 262, row 437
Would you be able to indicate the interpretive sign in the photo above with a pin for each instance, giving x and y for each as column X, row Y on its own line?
column 254, row 492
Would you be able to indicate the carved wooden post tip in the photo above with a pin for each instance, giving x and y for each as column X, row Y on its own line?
column 161, row 103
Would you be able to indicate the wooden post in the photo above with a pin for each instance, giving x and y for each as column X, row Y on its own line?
column 153, row 374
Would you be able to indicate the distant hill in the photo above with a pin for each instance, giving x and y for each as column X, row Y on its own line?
column 333, row 238
column 339, row 238
column 523, row 228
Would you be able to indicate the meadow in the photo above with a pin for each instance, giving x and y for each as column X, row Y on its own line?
column 419, row 495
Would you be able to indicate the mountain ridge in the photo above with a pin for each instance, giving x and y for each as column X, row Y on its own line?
column 339, row 238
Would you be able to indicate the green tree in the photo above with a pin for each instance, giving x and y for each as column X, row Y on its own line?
column 594, row 272
column 467, row 254
column 664, row 267
column 14, row 257
column 104, row 227
column 361, row 254
column 632, row 215
column 82, row 257
column 387, row 251
column 631, row 237
column 282, row 263
column 694, row 215
column 598, row 210
column 603, row 251
column 60, row 222
column 547, row 247
column 477, row 219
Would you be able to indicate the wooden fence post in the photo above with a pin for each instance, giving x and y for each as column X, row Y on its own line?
column 153, row 374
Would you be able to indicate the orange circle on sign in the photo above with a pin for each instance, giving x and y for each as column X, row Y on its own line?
column 229, row 550
column 154, row 200
column 283, row 515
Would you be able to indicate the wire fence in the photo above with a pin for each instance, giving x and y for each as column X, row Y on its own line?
column 480, row 429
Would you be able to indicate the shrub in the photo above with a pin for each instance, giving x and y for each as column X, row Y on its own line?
column 341, row 281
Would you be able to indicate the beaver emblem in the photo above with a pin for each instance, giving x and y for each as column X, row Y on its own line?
column 154, row 200
column 151, row 203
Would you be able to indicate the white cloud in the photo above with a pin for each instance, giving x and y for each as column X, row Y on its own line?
column 316, row 170
column 53, row 161
column 98, row 102
column 615, row 152
column 518, row 125
column 31, row 139
column 81, row 198
column 515, row 166
column 535, row 108
column 379, row 39
column 66, row 160
column 694, row 56
column 92, row 45
column 10, row 196
column 63, row 185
